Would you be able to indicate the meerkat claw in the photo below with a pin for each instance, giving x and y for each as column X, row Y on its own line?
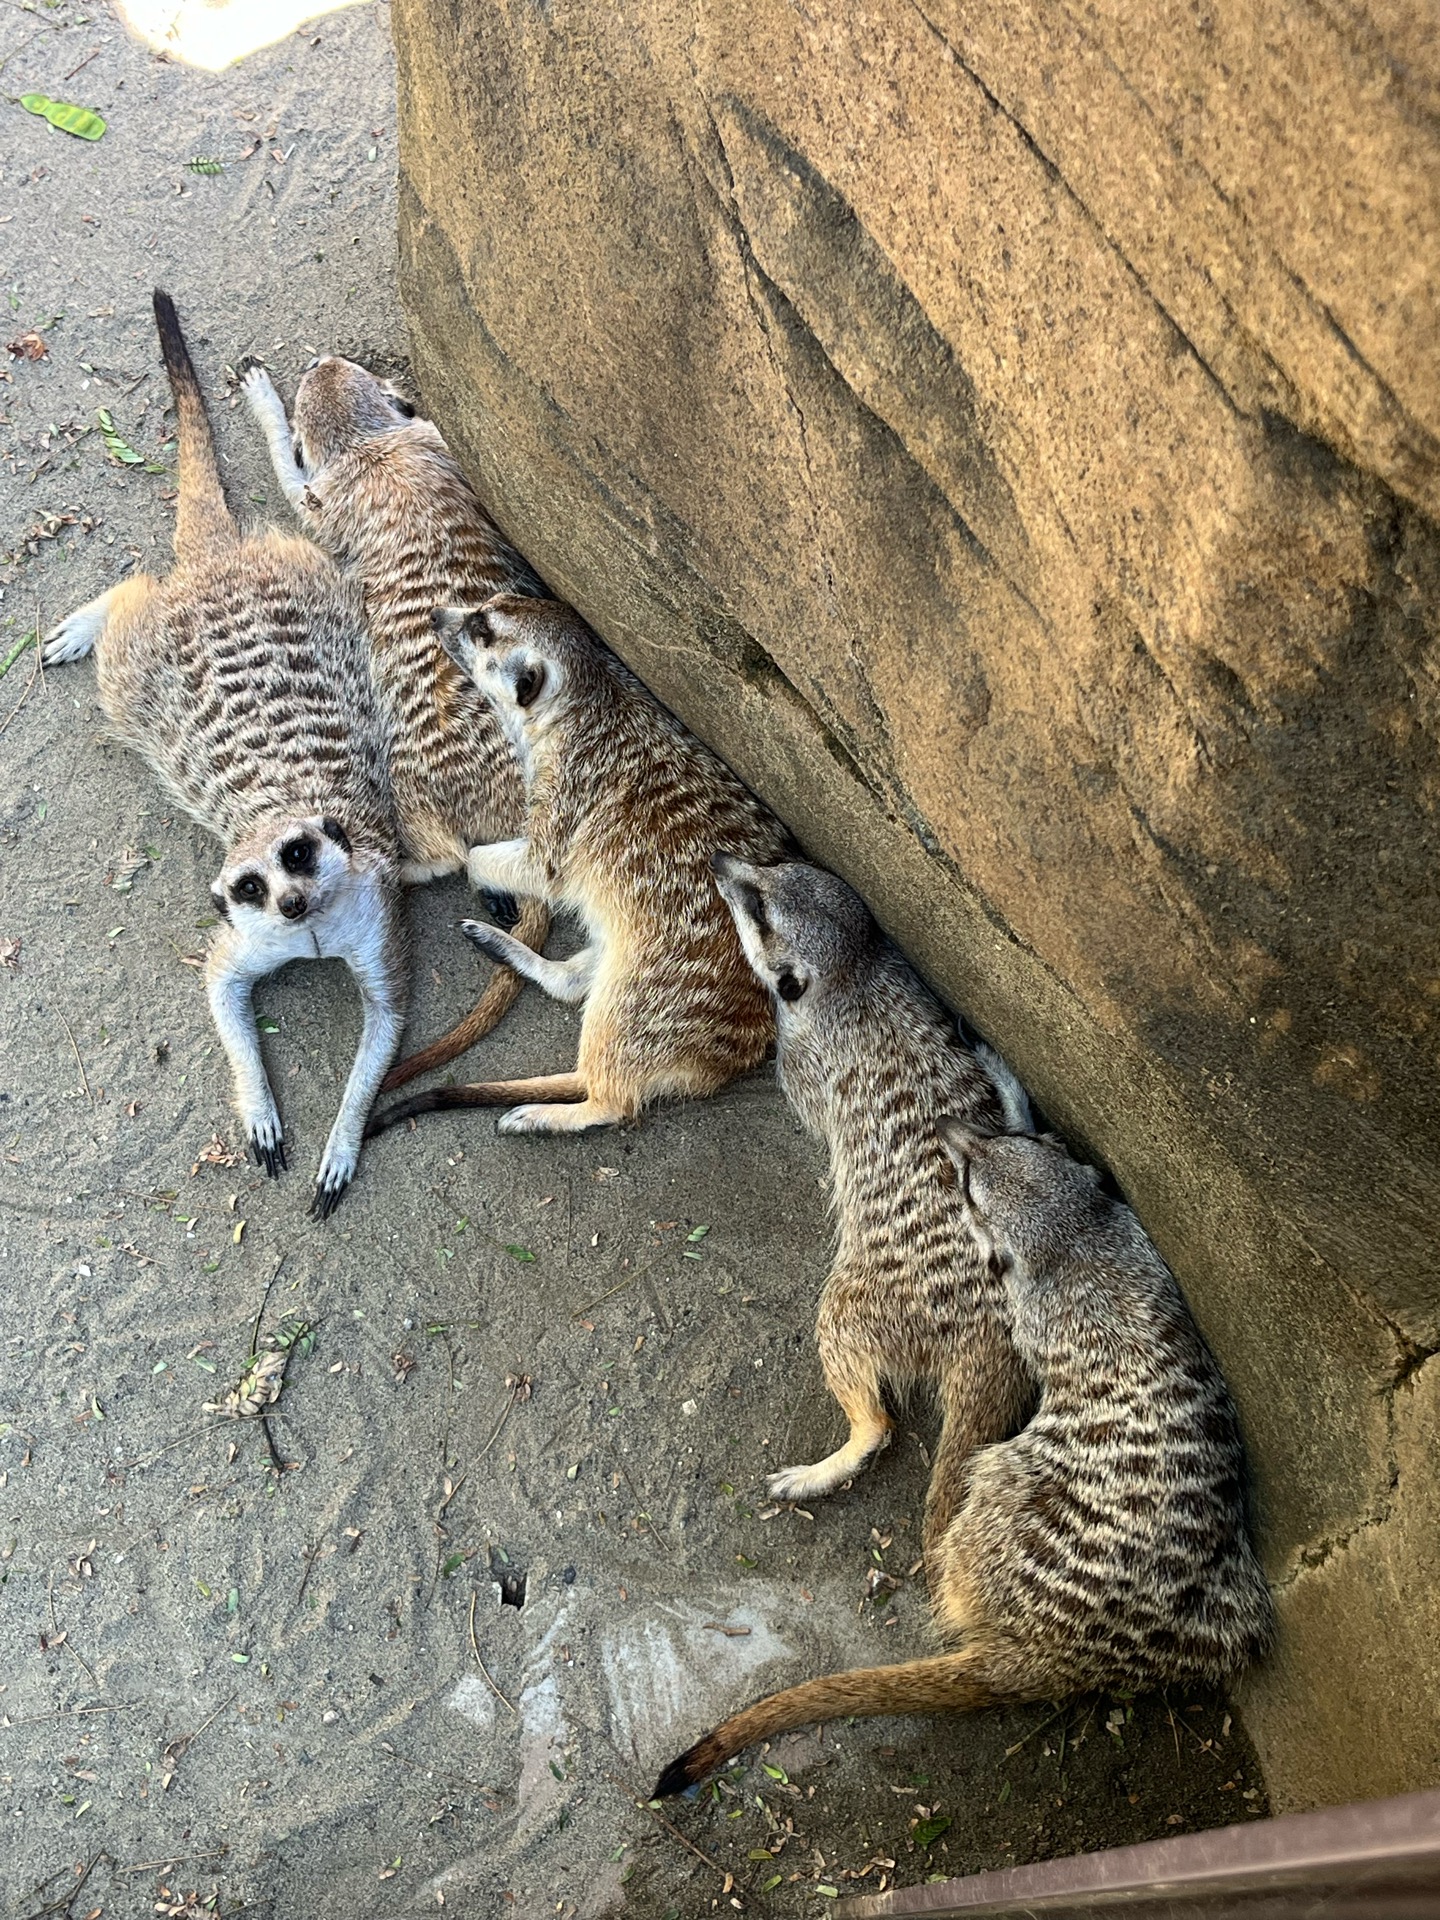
column 325, row 1201
column 480, row 934
column 269, row 1153
column 247, row 366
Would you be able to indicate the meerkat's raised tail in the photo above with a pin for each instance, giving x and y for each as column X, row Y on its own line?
column 202, row 517
column 946, row 1683
column 480, row 1093
column 495, row 1002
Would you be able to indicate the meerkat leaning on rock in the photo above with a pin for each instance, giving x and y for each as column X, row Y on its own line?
column 243, row 679
column 380, row 490
column 626, row 809
column 869, row 1059
column 1105, row 1545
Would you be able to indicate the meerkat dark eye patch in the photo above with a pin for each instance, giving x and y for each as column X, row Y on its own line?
column 220, row 903
column 333, row 830
column 298, row 856
column 402, row 407
column 755, row 908
column 788, row 986
column 529, row 684
column 250, row 890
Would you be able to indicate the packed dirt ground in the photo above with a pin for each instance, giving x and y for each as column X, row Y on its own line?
column 515, row 1551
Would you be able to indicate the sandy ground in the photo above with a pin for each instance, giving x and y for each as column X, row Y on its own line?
column 532, row 1428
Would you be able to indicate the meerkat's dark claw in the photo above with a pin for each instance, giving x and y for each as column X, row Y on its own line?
column 503, row 908
column 482, row 935
column 269, row 1154
column 248, row 363
column 327, row 1198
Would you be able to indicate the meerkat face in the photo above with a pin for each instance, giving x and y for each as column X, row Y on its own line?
column 283, row 874
column 338, row 404
column 802, row 928
column 504, row 653
column 1025, row 1198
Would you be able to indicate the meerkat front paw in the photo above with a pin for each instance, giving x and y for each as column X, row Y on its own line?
column 337, row 1170
column 251, row 373
column 268, row 1145
column 491, row 941
column 74, row 637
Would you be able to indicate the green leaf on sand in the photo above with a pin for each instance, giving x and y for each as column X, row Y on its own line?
column 929, row 1831
column 80, row 121
column 115, row 446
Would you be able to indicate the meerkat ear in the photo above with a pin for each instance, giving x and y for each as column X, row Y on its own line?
column 961, row 1136
column 333, row 830
column 310, row 500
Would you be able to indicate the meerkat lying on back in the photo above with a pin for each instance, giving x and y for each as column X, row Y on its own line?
column 625, row 812
column 869, row 1059
column 379, row 489
column 243, row 679
column 1106, row 1544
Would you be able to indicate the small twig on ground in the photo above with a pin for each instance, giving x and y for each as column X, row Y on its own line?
column 197, row 1433
column 515, row 1392
column 689, row 1845
column 1039, row 1727
column 65, row 1642
column 475, row 1649
column 312, row 1554
column 264, row 1302
column 84, row 63
column 70, row 1036
column 68, row 1899
column 177, row 1749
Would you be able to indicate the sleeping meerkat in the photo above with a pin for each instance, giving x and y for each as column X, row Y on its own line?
column 869, row 1059
column 243, row 679
column 1106, row 1544
column 381, row 491
column 626, row 809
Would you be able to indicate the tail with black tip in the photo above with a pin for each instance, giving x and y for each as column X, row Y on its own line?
column 202, row 519
column 480, row 1093
column 948, row 1683
column 501, row 993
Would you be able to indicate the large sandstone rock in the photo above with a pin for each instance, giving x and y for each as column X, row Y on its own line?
column 1008, row 434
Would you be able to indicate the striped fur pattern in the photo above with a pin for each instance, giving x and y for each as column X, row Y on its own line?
column 869, row 1059
column 243, row 679
column 381, row 491
column 1104, row 1546
column 626, row 811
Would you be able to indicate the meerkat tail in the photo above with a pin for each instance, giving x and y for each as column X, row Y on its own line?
column 501, row 993
column 947, row 1683
column 202, row 516
column 479, row 1093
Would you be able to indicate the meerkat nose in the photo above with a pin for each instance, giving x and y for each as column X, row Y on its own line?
column 293, row 905
column 720, row 865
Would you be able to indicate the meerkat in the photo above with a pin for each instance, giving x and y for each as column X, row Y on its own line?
column 869, row 1058
column 626, row 809
column 380, row 490
column 243, row 679
column 1104, row 1546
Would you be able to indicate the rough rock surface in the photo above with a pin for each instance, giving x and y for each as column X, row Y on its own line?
column 1009, row 435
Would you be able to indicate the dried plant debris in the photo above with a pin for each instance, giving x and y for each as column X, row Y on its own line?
column 259, row 1386
column 27, row 346
column 125, row 868
column 214, row 1153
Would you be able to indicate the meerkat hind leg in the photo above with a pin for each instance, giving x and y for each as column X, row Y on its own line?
column 858, row 1392
column 542, row 1117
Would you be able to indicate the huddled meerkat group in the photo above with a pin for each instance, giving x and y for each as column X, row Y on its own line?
column 396, row 697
